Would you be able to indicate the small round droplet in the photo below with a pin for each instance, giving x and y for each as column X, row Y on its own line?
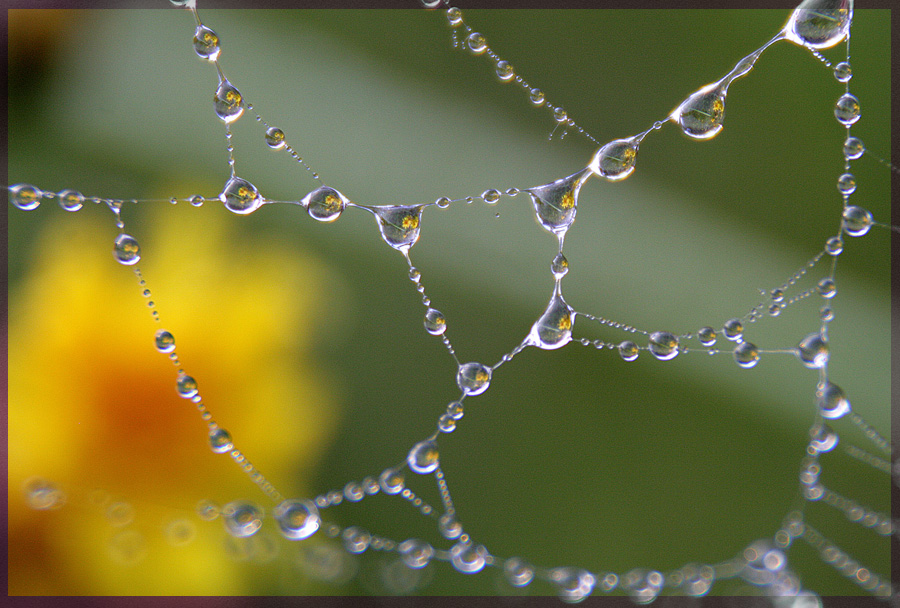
column 559, row 266
column 473, row 378
column 455, row 409
column 846, row 110
column 643, row 586
column 275, row 138
column 707, row 336
column 196, row 200
column 186, row 386
column 449, row 526
column 615, row 160
column 628, row 350
column 228, row 102
column 297, row 519
column 207, row 510
column 206, row 43
column 775, row 310
column 423, row 457
column 120, row 513
column 700, row 116
column 242, row 518
column 518, row 572
column 834, row 245
column 537, row 97
column 443, row 202
column 468, row 558
column 846, row 184
column 25, row 197
column 446, row 423
column 415, row 553
column 435, row 323
column 454, row 16
column 573, row 584
column 220, row 441
column 356, row 540
column 126, row 250
column 853, row 148
column 240, row 196
column 856, row 220
column 560, row 115
column 391, row 481
column 505, row 71
column 832, row 401
column 354, row 492
column 42, row 495
column 490, row 196
column 823, row 439
column 843, row 72
column 813, row 351
column 71, row 200
column 819, row 24
column 733, row 329
column 324, row 204
column 663, row 345
column 180, row 532
column 746, row 354
column 165, row 341
column 826, row 288
column 476, row 43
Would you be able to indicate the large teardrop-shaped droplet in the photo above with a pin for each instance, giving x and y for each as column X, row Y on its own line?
column 473, row 378
column 240, row 196
column 297, row 519
column 325, row 204
column 700, row 116
column 399, row 225
column 228, row 102
column 554, row 328
column 615, row 160
column 555, row 203
column 206, row 43
column 819, row 24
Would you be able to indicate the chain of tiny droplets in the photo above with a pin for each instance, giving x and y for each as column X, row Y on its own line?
column 844, row 563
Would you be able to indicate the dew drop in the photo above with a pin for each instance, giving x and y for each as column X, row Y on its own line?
column 846, row 110
column 490, row 196
column 415, row 553
column 242, row 518
column 832, row 401
column 700, row 116
column 240, row 196
column 707, row 336
column 476, row 43
column 206, row 43
column 856, row 220
column 505, row 71
column 834, row 245
column 826, row 313
column 560, row 115
column 126, row 250
column 555, row 203
column 846, row 184
column 473, row 378
column 435, row 323
column 554, row 328
column 324, row 204
column 443, row 202
column 228, row 102
column 843, row 72
column 165, row 341
column 819, row 24
column 186, row 386
column 615, row 160
column 297, row 519
column 391, row 481
column 826, row 288
column 181, row 3
column 455, row 410
column 572, row 584
column 518, row 573
column 628, row 350
column 423, row 457
column 559, row 266
column 537, row 97
column 399, row 226
column 356, row 540
column 467, row 557
column 823, row 439
column 454, row 16
column 813, row 351
column 775, row 310
column 643, row 586
column 733, row 329
column 853, row 148
column 449, row 526
column 446, row 423
column 25, row 197
column 207, row 510
column 746, row 354
column 275, row 138
column 71, row 200
column 196, row 200
column 42, row 495
column 663, row 345
column 220, row 441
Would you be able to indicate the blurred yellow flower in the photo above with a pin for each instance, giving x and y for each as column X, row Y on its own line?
column 93, row 407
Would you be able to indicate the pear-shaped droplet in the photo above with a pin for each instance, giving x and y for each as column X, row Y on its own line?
column 663, row 345
column 126, row 250
column 555, row 203
column 832, row 401
column 242, row 518
column 473, row 378
column 700, row 116
column 846, row 109
column 415, row 553
column 615, row 161
column 399, row 225
column 746, row 354
column 423, row 457
column 554, row 328
column 165, row 341
column 324, row 204
column 25, row 197
column 220, row 441
column 206, row 43
column 240, row 196
column 275, row 138
column 572, row 584
column 228, row 102
column 435, row 323
column 819, row 24
column 559, row 266
column 856, row 220
column 297, row 519
column 71, row 200
column 467, row 557
column 813, row 351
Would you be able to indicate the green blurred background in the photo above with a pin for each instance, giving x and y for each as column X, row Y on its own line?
column 572, row 457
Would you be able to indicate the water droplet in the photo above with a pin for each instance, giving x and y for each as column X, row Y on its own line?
column 826, row 288
column 707, row 336
column 834, row 245
column 324, row 204
column 774, row 310
column 628, row 350
column 615, row 160
column 455, row 409
column 823, row 439
column 446, row 423
column 490, row 196
column 240, row 196
column 196, row 200
column 242, row 518
column 476, row 43
column 399, row 226
column 559, row 266
column 275, row 138
column 443, row 202
column 356, row 540
column 846, row 184
column 297, row 519
column 415, row 553
column 454, row 16
column 554, row 328
column 537, row 97
column 746, row 355
column 853, row 148
column 423, row 457
column 391, row 481
column 25, row 197
column 468, row 558
column 518, row 573
column 127, row 250
column 856, row 220
column 40, row 494
column 207, row 510
column 181, row 3
column 572, row 584
column 180, row 532
column 819, row 24
column 120, row 513
column 843, row 72
column 186, row 386
column 435, row 323
column 473, row 378
column 71, row 200
column 643, row 586
column 560, row 115
column 813, row 351
column 165, row 341
column 846, row 110
column 555, row 203
column 220, row 441
column 206, row 43
column 505, row 71
column 700, row 116
column 228, row 102
column 663, row 345
column 733, row 329
column 832, row 401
